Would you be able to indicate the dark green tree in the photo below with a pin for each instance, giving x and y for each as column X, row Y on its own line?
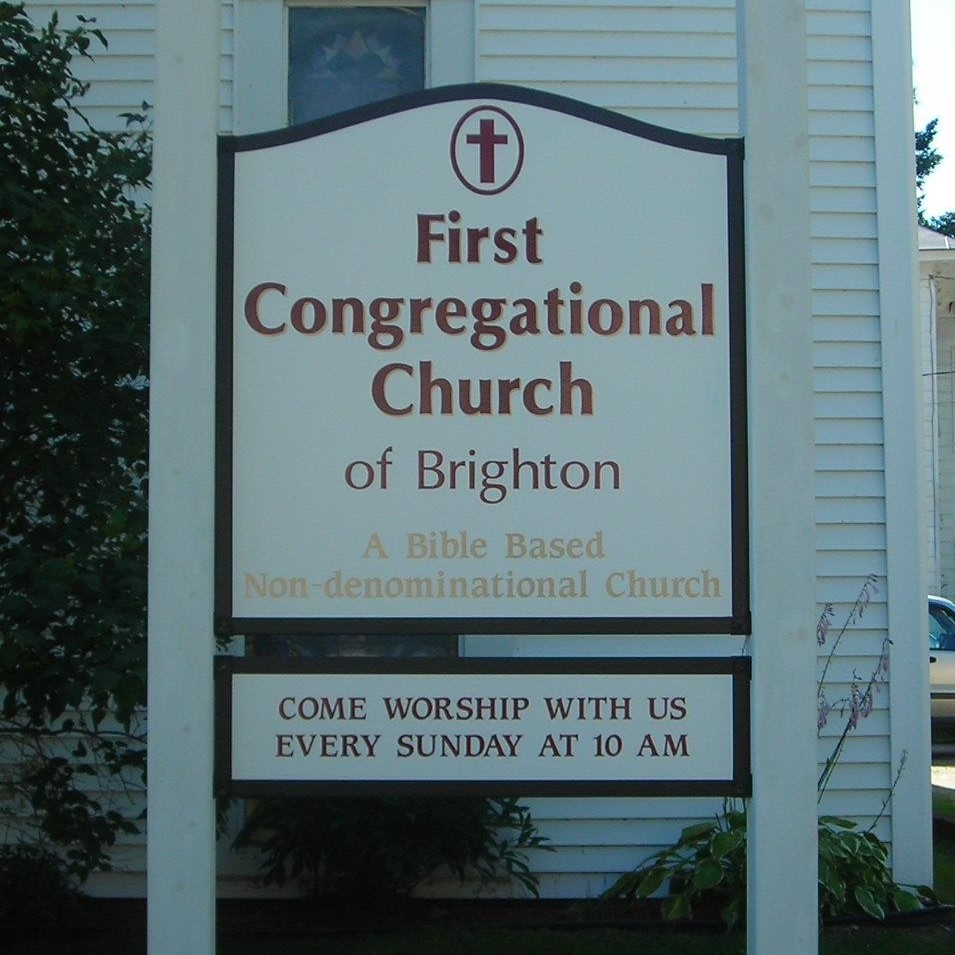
column 945, row 223
column 927, row 157
column 74, row 299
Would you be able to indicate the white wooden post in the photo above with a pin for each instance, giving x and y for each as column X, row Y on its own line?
column 782, row 893
column 907, row 583
column 181, row 824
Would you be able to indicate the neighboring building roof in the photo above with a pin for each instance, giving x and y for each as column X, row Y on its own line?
column 937, row 259
column 930, row 240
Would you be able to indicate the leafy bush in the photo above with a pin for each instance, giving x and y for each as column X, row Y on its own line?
column 74, row 300
column 854, row 876
column 383, row 847
column 35, row 889
column 706, row 866
column 706, row 869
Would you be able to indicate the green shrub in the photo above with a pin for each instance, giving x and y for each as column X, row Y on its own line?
column 74, row 328
column 383, row 847
column 854, row 876
column 705, row 867
column 35, row 889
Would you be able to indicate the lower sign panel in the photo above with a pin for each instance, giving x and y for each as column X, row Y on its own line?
column 619, row 726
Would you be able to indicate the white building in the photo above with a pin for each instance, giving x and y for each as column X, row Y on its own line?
column 937, row 310
column 674, row 65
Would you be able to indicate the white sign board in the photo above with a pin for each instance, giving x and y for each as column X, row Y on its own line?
column 536, row 727
column 481, row 369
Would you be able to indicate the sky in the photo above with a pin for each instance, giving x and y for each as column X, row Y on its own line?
column 933, row 66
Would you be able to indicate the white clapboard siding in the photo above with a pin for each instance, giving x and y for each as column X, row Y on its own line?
column 841, row 225
column 850, row 482
column 945, row 413
column 834, row 484
column 937, row 311
column 856, row 663
column 123, row 73
column 837, row 328
column 673, row 63
column 938, row 581
column 850, row 485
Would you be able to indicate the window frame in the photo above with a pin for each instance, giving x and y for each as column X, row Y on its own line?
column 260, row 53
column 306, row 97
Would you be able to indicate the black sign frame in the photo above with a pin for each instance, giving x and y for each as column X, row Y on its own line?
column 739, row 622
column 738, row 785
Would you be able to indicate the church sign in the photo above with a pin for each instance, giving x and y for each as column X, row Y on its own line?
column 481, row 369
column 539, row 726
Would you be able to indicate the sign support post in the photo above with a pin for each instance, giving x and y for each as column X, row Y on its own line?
column 782, row 891
column 181, row 844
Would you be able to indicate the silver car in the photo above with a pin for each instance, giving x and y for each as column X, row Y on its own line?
column 941, row 641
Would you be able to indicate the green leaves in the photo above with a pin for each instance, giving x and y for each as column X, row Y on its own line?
column 652, row 882
column 854, row 875
column 705, row 867
column 868, row 903
column 74, row 266
column 728, row 842
column 677, row 907
column 708, row 875
column 379, row 848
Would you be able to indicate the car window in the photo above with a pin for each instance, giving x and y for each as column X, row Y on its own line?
column 941, row 628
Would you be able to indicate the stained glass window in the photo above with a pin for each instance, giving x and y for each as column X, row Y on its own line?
column 342, row 57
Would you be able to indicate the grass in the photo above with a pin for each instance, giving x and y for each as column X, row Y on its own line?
column 928, row 941
column 943, row 804
column 505, row 942
column 843, row 940
column 945, row 870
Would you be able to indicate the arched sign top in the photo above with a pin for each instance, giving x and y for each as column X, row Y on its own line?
column 481, row 369
column 489, row 93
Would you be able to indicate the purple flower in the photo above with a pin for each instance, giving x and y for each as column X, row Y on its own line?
column 855, row 706
column 823, row 709
column 822, row 627
column 884, row 656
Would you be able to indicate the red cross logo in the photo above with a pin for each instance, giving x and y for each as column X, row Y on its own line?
column 487, row 139
column 487, row 150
